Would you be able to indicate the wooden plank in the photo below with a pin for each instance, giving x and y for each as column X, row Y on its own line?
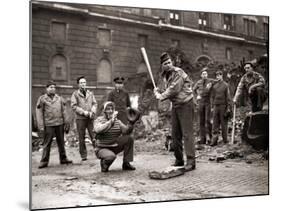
column 166, row 173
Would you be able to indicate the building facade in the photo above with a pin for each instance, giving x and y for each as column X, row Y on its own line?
column 100, row 42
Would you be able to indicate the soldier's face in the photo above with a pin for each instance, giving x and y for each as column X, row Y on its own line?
column 219, row 76
column 119, row 86
column 82, row 83
column 248, row 68
column 109, row 111
column 204, row 75
column 51, row 89
column 167, row 65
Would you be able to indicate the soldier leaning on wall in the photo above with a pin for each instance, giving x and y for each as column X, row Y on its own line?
column 52, row 121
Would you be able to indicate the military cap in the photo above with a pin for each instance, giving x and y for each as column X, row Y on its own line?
column 49, row 83
column 164, row 57
column 119, row 80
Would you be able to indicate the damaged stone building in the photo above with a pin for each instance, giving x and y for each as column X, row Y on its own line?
column 101, row 42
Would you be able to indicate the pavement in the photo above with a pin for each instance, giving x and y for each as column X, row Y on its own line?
column 82, row 184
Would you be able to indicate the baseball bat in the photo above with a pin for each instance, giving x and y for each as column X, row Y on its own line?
column 233, row 124
column 147, row 65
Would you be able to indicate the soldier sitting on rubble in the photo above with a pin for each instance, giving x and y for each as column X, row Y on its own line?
column 254, row 83
column 113, row 137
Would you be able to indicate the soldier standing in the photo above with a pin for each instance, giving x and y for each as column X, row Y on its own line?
column 179, row 91
column 202, row 90
column 120, row 98
column 221, row 106
column 84, row 104
column 52, row 121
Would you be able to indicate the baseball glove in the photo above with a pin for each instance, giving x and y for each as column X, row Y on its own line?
column 133, row 115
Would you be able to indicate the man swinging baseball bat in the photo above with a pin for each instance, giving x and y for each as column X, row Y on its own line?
column 179, row 92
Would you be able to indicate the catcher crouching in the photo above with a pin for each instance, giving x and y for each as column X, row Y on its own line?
column 113, row 137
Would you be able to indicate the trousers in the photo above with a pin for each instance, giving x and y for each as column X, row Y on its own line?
column 49, row 133
column 82, row 125
column 182, row 132
column 125, row 143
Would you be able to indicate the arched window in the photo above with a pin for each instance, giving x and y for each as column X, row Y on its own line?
column 104, row 71
column 58, row 67
column 203, row 59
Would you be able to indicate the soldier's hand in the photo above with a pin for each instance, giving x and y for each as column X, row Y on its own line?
column 114, row 116
column 234, row 101
column 91, row 115
column 86, row 113
column 209, row 85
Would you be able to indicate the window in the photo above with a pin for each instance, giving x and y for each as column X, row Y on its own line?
column 58, row 67
column 228, row 53
column 175, row 43
column 246, row 26
column 228, row 22
column 58, row 30
column 104, row 71
column 147, row 12
column 203, row 20
column 265, row 31
column 142, row 40
column 175, row 17
column 104, row 37
column 249, row 27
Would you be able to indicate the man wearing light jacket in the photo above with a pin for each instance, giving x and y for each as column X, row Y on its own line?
column 179, row 91
column 52, row 121
column 84, row 104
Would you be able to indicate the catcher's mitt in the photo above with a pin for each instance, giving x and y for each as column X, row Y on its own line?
column 132, row 115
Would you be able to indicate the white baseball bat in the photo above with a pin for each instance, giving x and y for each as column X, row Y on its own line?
column 147, row 65
column 233, row 124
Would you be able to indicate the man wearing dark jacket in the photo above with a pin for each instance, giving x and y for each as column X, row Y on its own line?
column 179, row 91
column 202, row 90
column 52, row 121
column 221, row 104
column 121, row 98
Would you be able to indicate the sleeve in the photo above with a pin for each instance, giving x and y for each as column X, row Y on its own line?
column 63, row 110
column 100, row 126
column 174, row 88
column 126, row 129
column 212, row 96
column 228, row 96
column 260, row 81
column 128, row 100
column 40, row 113
column 195, row 87
column 94, row 105
column 74, row 105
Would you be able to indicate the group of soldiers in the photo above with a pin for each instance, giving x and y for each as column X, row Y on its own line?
column 111, row 132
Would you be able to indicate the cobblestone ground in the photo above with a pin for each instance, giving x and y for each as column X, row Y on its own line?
column 84, row 184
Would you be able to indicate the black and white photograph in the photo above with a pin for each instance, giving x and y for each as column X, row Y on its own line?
column 134, row 105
